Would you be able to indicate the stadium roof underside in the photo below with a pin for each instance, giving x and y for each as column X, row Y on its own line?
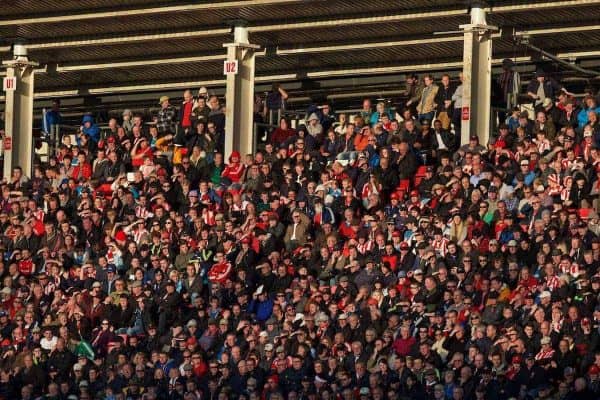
column 118, row 47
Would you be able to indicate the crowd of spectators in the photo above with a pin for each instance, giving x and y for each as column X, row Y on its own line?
column 367, row 256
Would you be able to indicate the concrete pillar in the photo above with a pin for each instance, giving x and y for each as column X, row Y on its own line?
column 239, row 94
column 477, row 77
column 19, row 113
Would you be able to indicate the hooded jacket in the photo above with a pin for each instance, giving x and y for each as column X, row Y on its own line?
column 93, row 132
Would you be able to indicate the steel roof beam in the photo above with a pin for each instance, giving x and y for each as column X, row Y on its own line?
column 541, row 6
column 366, row 46
column 136, row 12
column 109, row 41
column 552, row 31
column 140, row 63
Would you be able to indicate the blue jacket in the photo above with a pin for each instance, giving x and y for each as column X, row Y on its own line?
column 93, row 132
column 582, row 116
column 52, row 118
column 262, row 309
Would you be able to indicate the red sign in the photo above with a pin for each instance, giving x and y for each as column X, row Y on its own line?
column 466, row 113
column 8, row 143
column 230, row 67
column 9, row 83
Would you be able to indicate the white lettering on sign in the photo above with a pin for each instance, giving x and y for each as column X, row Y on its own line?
column 9, row 83
column 230, row 67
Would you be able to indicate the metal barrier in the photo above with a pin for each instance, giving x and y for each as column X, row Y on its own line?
column 259, row 144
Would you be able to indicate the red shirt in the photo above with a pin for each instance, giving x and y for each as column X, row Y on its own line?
column 346, row 230
column 139, row 161
column 186, row 120
column 84, row 170
column 403, row 346
column 26, row 267
column 219, row 272
column 233, row 171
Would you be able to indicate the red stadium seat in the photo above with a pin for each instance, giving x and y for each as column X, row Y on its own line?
column 420, row 174
column 404, row 185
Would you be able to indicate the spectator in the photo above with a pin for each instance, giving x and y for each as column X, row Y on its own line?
column 541, row 88
column 275, row 102
column 166, row 117
column 426, row 105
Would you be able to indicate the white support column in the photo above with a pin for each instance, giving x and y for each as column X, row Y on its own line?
column 239, row 94
column 19, row 113
column 477, row 77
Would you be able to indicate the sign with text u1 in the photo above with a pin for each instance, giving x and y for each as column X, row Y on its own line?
column 9, row 84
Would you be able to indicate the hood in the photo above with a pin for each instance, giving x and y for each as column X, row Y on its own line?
column 313, row 116
column 235, row 154
column 87, row 118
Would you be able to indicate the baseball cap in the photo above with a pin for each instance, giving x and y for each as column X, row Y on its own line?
column 192, row 322
column 545, row 340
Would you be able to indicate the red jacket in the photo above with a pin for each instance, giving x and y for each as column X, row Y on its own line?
column 85, row 170
column 219, row 272
column 234, row 172
column 403, row 346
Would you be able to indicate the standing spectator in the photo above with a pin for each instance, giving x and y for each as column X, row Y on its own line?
column 275, row 102
column 185, row 112
column 542, row 87
column 427, row 106
column 166, row 118
column 444, row 102
column 509, row 82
